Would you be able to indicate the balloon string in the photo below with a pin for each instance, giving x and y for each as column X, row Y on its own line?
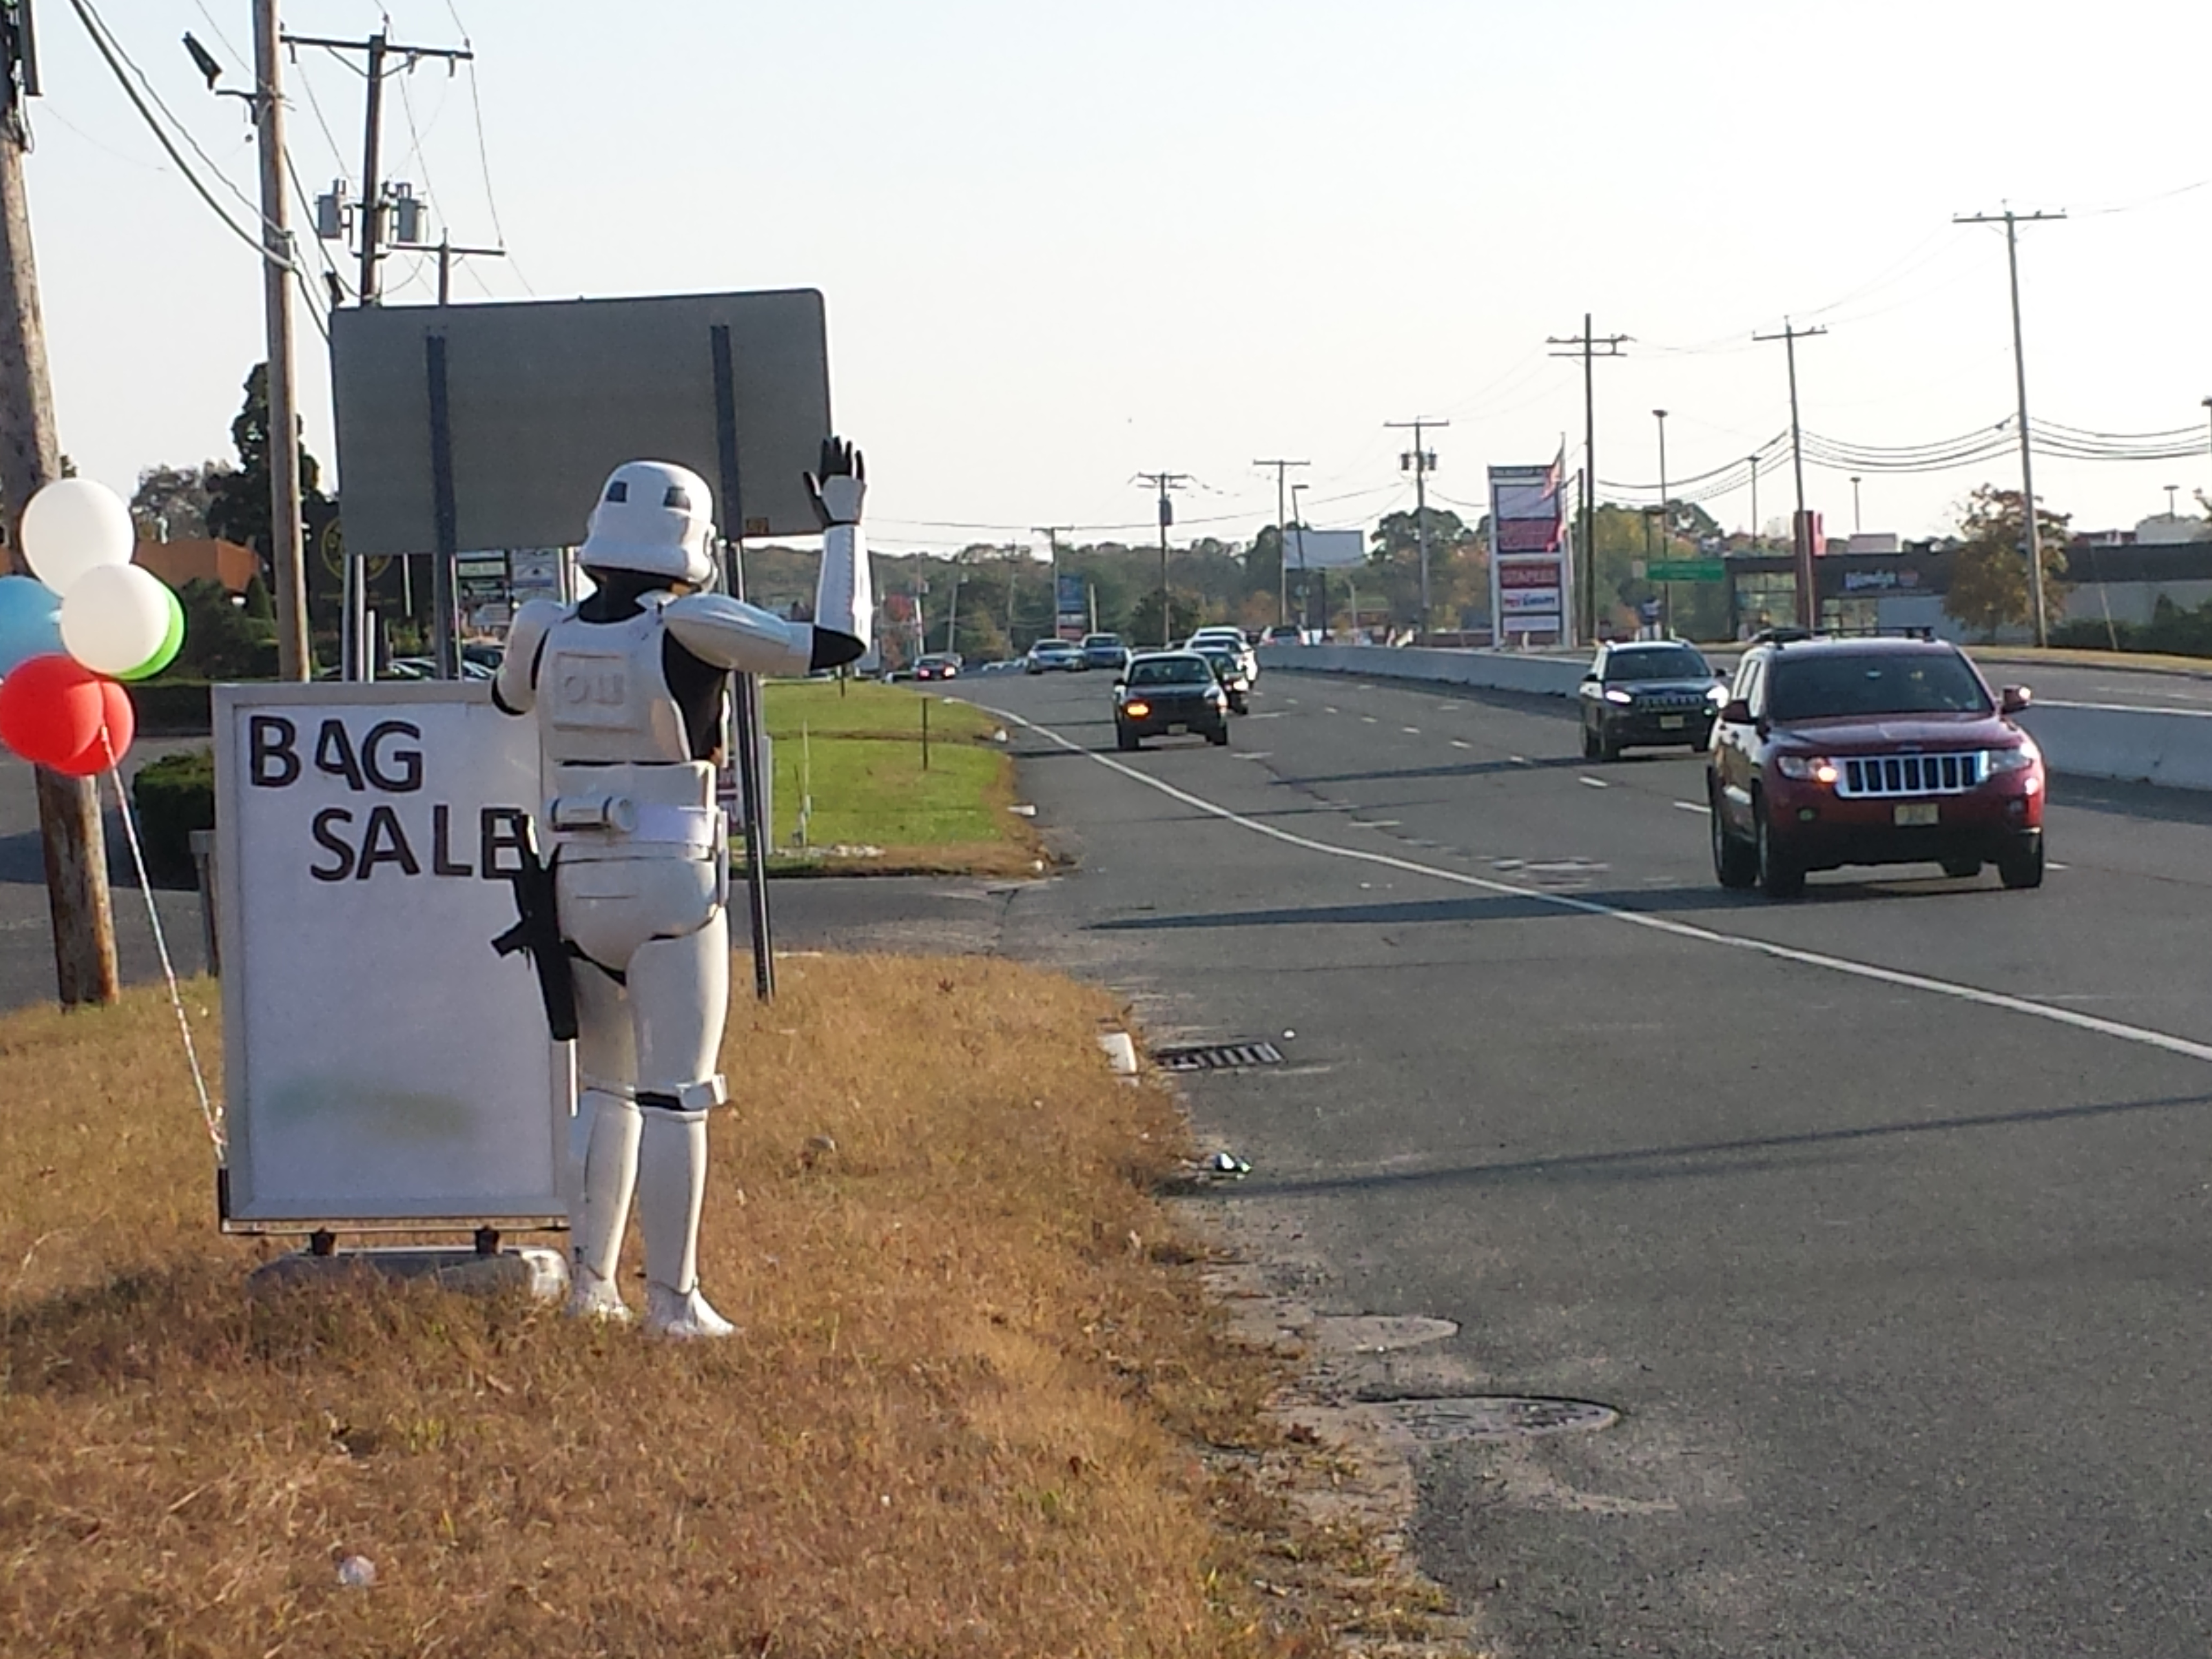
column 208, row 1112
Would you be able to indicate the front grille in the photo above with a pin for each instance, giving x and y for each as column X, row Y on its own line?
column 1672, row 704
column 1911, row 775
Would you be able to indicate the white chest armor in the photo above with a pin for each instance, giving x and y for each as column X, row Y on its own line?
column 619, row 773
column 602, row 694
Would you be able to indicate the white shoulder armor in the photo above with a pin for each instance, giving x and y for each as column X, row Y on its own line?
column 731, row 633
column 516, row 688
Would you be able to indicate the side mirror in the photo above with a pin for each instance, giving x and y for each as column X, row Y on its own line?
column 1590, row 678
column 1120, row 679
column 1736, row 712
column 2014, row 699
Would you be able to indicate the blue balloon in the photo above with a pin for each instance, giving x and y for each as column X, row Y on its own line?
column 30, row 622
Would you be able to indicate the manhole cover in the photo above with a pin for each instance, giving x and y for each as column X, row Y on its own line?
column 1217, row 1057
column 1498, row 1417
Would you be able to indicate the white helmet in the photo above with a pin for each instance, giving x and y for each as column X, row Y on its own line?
column 654, row 517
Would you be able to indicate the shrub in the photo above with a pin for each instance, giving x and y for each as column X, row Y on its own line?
column 174, row 796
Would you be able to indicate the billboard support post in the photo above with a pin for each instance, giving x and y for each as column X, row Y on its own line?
column 446, row 638
column 745, row 702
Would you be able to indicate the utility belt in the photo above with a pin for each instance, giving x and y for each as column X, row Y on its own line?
column 591, row 827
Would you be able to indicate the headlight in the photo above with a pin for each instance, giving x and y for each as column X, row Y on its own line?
column 1614, row 694
column 2015, row 760
column 1136, row 710
column 1806, row 769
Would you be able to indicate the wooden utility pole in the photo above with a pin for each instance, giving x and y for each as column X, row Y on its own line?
column 2031, row 531
column 1421, row 460
column 1588, row 346
column 286, row 531
column 1162, row 482
column 30, row 458
column 1282, row 563
column 1801, row 535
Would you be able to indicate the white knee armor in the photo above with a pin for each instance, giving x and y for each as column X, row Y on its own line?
column 630, row 690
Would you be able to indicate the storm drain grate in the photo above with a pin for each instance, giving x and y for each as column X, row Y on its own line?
column 1217, row 1057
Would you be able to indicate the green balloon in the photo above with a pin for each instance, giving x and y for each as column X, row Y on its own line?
column 172, row 642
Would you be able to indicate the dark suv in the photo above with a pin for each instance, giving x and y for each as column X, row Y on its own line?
column 1835, row 751
column 1648, row 694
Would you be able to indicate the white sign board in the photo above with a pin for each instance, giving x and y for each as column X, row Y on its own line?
column 1325, row 549
column 381, row 1063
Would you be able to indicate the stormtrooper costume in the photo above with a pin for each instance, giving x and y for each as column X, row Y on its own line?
column 631, row 690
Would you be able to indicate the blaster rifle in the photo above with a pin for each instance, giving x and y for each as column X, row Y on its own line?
column 537, row 930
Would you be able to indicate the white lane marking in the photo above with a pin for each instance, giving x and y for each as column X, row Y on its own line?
column 2053, row 864
column 1377, row 823
column 1594, row 783
column 1456, row 743
column 1957, row 991
column 1328, row 708
column 1694, row 806
column 1367, row 719
column 1267, row 715
column 1520, row 760
column 1253, row 754
column 1411, row 730
column 2129, row 708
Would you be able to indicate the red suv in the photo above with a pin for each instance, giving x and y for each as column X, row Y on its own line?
column 1834, row 751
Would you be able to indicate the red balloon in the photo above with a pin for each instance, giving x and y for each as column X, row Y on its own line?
column 52, row 709
column 109, row 745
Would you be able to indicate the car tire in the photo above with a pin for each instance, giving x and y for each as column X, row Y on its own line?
column 1125, row 739
column 1779, row 877
column 1734, row 865
column 1219, row 736
column 1590, row 743
column 1962, row 869
column 1608, row 746
column 2022, row 868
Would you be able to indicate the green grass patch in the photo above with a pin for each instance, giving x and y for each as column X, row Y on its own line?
column 857, row 753
column 866, row 708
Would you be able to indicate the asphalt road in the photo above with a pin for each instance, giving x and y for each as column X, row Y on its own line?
column 1883, row 1218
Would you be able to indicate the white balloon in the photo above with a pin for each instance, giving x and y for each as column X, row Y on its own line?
column 73, row 525
column 114, row 617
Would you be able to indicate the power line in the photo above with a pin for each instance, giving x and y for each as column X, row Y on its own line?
column 109, row 55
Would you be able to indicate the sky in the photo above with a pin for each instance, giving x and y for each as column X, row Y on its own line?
column 1060, row 245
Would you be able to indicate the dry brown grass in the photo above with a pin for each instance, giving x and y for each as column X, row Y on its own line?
column 966, row 1415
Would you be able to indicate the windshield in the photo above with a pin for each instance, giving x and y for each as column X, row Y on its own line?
column 1665, row 662
column 1170, row 670
column 1892, row 682
column 1102, row 639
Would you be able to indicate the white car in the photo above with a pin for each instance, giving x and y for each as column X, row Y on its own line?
column 1047, row 655
column 1247, row 659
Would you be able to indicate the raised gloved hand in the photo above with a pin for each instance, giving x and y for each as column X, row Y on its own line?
column 838, row 488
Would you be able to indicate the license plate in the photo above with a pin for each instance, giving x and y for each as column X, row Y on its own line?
column 1670, row 722
column 1917, row 812
column 1177, row 729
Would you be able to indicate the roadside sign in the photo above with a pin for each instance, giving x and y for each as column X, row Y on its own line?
column 381, row 1063
column 1686, row 570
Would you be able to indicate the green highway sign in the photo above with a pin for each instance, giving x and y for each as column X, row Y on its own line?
column 1686, row 570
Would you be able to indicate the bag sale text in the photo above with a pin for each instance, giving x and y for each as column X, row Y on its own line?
column 387, row 759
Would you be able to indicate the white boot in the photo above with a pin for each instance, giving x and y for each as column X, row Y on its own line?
column 672, row 1177
column 600, row 1209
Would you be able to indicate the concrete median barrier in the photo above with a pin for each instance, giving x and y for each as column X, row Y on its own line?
column 1494, row 670
column 2169, row 747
